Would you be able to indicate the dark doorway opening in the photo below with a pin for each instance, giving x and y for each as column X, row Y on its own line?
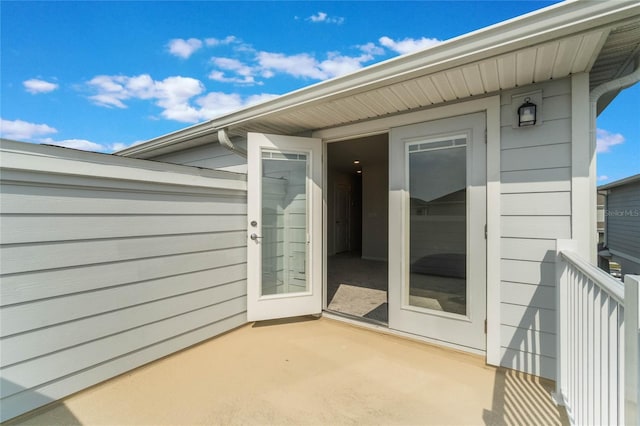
column 357, row 228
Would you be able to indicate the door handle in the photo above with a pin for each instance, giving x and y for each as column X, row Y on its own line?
column 254, row 236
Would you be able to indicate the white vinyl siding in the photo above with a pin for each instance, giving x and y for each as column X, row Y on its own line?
column 211, row 156
column 110, row 269
column 535, row 211
column 623, row 226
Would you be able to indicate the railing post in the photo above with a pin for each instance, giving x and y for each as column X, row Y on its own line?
column 561, row 320
column 631, row 349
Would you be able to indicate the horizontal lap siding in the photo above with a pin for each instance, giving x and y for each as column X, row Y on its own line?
column 623, row 225
column 100, row 276
column 211, row 155
column 535, row 211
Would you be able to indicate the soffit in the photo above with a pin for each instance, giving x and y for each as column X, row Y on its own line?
column 620, row 51
column 551, row 60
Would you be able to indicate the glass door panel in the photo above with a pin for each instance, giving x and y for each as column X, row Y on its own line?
column 437, row 224
column 284, row 223
column 437, row 215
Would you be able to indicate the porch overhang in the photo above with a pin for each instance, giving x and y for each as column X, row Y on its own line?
column 602, row 38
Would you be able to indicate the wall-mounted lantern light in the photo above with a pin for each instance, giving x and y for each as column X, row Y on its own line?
column 527, row 113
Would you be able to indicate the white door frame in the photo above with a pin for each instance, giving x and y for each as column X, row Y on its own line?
column 465, row 331
column 491, row 106
column 283, row 305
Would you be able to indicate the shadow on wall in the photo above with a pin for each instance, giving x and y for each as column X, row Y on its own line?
column 11, row 405
column 520, row 398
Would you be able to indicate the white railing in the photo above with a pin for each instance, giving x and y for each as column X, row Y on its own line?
column 597, row 341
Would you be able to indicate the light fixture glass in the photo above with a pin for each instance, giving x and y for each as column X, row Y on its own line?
column 527, row 113
column 356, row 161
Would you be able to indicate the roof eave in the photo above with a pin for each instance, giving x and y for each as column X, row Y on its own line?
column 624, row 181
column 553, row 22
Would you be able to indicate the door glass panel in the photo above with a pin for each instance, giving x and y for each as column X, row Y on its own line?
column 437, row 224
column 284, row 223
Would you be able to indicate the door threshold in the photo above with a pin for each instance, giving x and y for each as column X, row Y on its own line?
column 355, row 318
column 384, row 328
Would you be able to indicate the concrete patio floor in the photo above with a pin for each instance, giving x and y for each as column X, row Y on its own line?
column 310, row 371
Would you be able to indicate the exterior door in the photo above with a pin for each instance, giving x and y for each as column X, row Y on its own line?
column 284, row 254
column 437, row 217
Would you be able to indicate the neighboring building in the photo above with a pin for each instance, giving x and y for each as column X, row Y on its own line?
column 112, row 262
column 621, row 225
column 600, row 218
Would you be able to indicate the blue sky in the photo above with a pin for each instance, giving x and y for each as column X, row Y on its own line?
column 105, row 75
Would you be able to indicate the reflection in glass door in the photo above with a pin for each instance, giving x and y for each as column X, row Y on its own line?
column 437, row 224
column 437, row 246
column 284, row 223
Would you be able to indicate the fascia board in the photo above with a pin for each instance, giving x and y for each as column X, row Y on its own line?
column 624, row 181
column 192, row 132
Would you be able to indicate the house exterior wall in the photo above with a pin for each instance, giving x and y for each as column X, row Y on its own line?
column 623, row 226
column 536, row 183
column 109, row 263
column 211, row 156
column 535, row 200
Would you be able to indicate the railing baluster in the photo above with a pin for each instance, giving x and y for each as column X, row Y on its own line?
column 590, row 352
column 631, row 333
column 621, row 365
column 582, row 394
column 597, row 366
column 613, row 362
column 591, row 343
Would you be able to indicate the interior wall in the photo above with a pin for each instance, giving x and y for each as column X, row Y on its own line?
column 369, row 193
column 337, row 177
column 375, row 210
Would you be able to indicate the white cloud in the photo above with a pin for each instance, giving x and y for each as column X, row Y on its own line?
column 408, row 45
column 36, row 86
column 179, row 97
column 85, row 145
column 119, row 146
column 300, row 65
column 603, row 178
column 605, row 140
column 23, row 130
column 220, row 42
column 322, row 17
column 337, row 64
column 81, row 144
column 245, row 72
column 30, row 132
column 113, row 90
column 371, row 49
column 184, row 48
column 304, row 65
column 216, row 103
column 172, row 94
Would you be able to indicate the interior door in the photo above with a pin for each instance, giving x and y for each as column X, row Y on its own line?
column 284, row 202
column 437, row 246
